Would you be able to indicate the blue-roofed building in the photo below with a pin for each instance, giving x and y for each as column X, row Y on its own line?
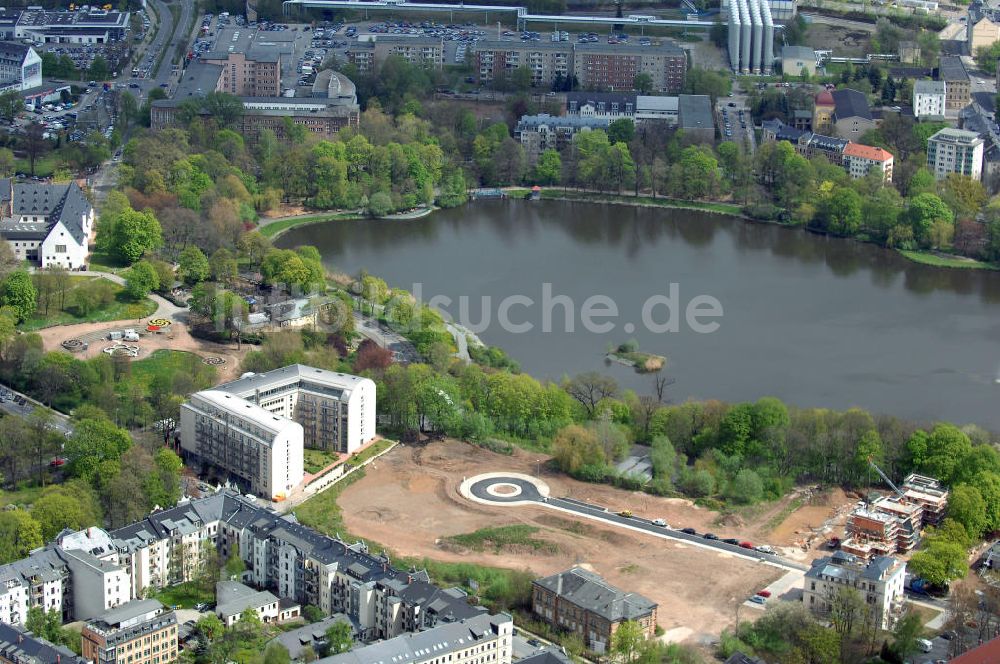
column 878, row 583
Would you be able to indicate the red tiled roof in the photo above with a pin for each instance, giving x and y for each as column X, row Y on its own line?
column 988, row 653
column 867, row 152
column 824, row 98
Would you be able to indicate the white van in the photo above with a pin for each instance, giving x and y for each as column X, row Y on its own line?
column 925, row 645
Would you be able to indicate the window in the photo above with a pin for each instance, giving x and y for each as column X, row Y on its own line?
column 60, row 248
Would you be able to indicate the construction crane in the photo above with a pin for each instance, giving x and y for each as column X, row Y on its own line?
column 871, row 462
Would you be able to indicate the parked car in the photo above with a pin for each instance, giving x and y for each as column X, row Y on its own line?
column 757, row 599
column 689, row 531
column 765, row 593
column 730, row 540
column 925, row 645
column 625, row 513
column 659, row 522
column 764, row 548
column 746, row 545
column 710, row 536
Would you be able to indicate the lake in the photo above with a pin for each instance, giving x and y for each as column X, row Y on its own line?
column 815, row 321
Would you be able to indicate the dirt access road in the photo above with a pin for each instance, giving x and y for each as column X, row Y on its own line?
column 409, row 500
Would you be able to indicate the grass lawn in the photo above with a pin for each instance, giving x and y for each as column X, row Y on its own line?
column 168, row 363
column 103, row 262
column 322, row 513
column 184, row 595
column 26, row 494
column 370, row 451
column 316, row 460
column 44, row 165
column 111, row 304
column 279, row 227
column 500, row 537
column 946, row 261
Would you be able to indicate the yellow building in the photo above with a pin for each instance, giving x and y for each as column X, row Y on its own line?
column 823, row 113
column 982, row 33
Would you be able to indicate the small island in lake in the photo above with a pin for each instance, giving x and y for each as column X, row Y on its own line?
column 629, row 354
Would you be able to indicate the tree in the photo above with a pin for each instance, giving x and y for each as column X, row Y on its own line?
column 548, row 170
column 380, row 204
column 575, row 448
column 34, row 144
column 234, row 565
column 621, row 130
column 11, row 103
column 846, row 608
column 276, row 653
column 224, row 107
column 747, row 487
column 626, row 641
column 643, row 83
column 371, row 356
column 72, row 505
column 924, row 212
column 967, row 507
column 140, row 279
column 840, row 212
column 939, row 562
column 210, row 626
column 193, row 266
column 590, row 388
column 908, row 629
column 18, row 292
column 133, row 234
column 339, row 638
column 20, row 534
column 99, row 70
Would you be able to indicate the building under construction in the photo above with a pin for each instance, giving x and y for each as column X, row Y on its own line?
column 892, row 524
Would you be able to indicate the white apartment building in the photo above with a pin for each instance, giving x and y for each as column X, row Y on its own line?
column 879, row 583
column 955, row 151
column 479, row 640
column 260, row 450
column 20, row 67
column 929, row 99
column 336, row 411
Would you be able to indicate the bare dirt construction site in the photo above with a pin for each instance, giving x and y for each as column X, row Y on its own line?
column 409, row 500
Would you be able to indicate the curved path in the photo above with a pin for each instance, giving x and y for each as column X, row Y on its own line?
column 164, row 307
column 512, row 489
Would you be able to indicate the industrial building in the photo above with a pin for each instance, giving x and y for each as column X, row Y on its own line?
column 751, row 36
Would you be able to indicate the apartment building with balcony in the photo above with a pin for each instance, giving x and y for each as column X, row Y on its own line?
column 538, row 133
column 955, row 151
column 336, row 410
column 142, row 631
column 879, row 583
column 860, row 160
column 242, row 441
column 256, row 73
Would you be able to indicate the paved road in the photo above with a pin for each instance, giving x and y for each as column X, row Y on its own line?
column 530, row 493
column 60, row 422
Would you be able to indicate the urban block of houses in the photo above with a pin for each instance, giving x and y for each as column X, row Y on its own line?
column 958, row 87
column 541, row 132
column 978, row 119
column 19, row 646
column 232, row 598
column 46, row 224
column 858, row 160
column 609, row 105
column 879, row 583
column 955, row 151
column 842, row 112
column 255, row 78
column 254, row 428
column 982, row 27
column 280, row 555
column 929, row 99
column 582, row 602
column 483, row 638
column 90, row 25
column 142, row 631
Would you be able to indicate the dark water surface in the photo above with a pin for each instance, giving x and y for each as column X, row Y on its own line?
column 815, row 321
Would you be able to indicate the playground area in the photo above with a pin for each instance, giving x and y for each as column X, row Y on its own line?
column 140, row 339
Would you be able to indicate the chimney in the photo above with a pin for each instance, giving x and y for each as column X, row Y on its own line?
column 58, row 658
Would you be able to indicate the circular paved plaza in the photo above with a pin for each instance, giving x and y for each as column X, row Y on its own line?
column 504, row 489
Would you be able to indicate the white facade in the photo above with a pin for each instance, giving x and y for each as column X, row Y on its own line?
column 262, row 450
column 20, row 66
column 751, row 36
column 879, row 584
column 46, row 224
column 955, row 151
column 929, row 99
column 97, row 585
column 336, row 411
column 664, row 109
